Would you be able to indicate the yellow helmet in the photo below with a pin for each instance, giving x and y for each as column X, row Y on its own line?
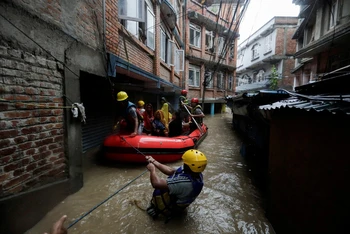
column 140, row 103
column 121, row 96
column 195, row 159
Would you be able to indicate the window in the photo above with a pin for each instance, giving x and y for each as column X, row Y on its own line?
column 194, row 75
column 195, row 35
column 150, row 28
column 220, row 81
column 163, row 39
column 143, row 30
column 132, row 27
column 171, row 53
column 131, row 10
column 209, row 79
column 268, row 43
column 221, row 42
column 179, row 60
column 260, row 76
column 230, row 80
column 232, row 50
column 167, row 47
column 333, row 13
column 214, row 8
column 255, row 53
column 240, row 60
column 209, row 41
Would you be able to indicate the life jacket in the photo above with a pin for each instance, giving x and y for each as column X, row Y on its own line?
column 166, row 204
column 198, row 119
column 129, row 119
column 184, row 100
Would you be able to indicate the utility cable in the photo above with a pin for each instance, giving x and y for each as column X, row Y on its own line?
column 232, row 36
column 48, row 52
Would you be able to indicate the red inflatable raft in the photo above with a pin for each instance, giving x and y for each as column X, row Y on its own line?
column 123, row 148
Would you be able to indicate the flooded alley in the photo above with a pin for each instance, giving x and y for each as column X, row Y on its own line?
column 229, row 202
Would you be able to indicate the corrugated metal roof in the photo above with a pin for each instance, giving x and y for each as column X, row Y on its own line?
column 254, row 86
column 333, row 106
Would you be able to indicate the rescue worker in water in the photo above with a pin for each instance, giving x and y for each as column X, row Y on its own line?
column 180, row 189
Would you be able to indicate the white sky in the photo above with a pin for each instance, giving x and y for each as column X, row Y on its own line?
column 259, row 12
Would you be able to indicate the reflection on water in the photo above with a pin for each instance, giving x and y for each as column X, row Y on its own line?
column 229, row 203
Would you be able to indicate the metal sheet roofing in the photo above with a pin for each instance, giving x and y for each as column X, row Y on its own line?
column 334, row 104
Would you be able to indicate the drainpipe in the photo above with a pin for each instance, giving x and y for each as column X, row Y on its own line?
column 104, row 25
column 184, row 14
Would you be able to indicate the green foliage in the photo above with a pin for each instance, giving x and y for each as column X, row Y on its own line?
column 274, row 78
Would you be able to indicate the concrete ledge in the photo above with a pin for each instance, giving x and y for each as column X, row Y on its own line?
column 21, row 212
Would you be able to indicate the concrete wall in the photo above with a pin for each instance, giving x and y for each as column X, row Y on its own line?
column 40, row 141
column 309, row 171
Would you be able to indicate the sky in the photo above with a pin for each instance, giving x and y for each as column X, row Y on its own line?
column 260, row 12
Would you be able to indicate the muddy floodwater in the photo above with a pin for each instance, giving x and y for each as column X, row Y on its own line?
column 229, row 202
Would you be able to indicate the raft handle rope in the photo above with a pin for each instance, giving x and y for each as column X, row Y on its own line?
column 123, row 138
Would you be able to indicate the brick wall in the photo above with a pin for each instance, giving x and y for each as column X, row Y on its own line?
column 112, row 26
column 279, row 41
column 287, row 78
column 31, row 121
column 80, row 19
column 291, row 45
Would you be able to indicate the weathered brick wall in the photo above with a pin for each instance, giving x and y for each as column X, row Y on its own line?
column 279, row 41
column 284, row 42
column 81, row 19
column 31, row 121
column 287, row 78
column 291, row 45
column 165, row 72
column 112, row 26
column 135, row 54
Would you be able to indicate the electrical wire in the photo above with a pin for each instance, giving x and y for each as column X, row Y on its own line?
column 228, row 39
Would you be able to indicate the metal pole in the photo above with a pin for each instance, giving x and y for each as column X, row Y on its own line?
column 200, row 129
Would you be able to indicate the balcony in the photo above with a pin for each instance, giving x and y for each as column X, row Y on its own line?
column 211, row 25
column 340, row 35
column 211, row 64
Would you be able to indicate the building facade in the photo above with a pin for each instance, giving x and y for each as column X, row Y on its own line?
column 270, row 46
column 211, row 43
column 322, row 40
column 57, row 54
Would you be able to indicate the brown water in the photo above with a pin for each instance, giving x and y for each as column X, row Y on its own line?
column 229, row 202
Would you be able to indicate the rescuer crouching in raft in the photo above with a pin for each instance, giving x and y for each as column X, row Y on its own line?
column 180, row 189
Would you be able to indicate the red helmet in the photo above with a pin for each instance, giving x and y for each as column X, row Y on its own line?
column 184, row 92
column 194, row 100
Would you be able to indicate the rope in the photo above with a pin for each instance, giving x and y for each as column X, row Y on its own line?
column 83, row 216
column 133, row 147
